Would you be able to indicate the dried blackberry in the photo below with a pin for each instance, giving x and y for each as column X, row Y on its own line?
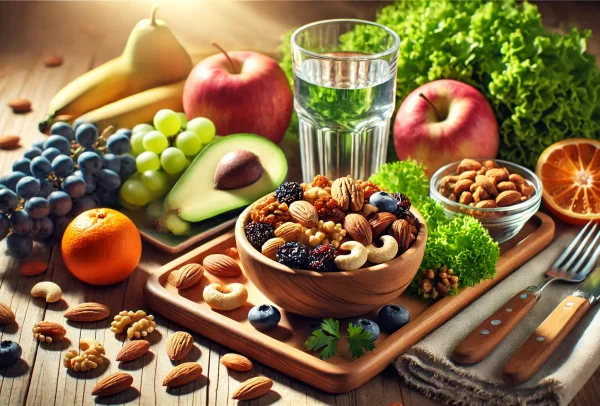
column 258, row 233
column 322, row 258
column 289, row 192
column 410, row 218
column 403, row 203
column 292, row 254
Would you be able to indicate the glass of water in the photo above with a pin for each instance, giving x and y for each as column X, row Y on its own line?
column 344, row 97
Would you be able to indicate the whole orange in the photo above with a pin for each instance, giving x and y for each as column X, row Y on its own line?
column 101, row 246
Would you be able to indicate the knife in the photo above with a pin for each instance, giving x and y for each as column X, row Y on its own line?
column 546, row 338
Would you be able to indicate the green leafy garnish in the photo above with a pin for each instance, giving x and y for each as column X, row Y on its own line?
column 407, row 177
column 328, row 336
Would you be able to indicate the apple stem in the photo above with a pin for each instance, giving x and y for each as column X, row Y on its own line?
column 153, row 14
column 437, row 112
column 214, row 44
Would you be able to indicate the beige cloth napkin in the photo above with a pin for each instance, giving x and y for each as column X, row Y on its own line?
column 427, row 366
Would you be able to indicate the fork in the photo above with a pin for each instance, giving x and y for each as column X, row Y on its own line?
column 573, row 265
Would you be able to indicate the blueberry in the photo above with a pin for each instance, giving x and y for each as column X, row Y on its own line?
column 40, row 167
column 63, row 129
column 51, row 153
column 32, row 153
column 368, row 325
column 118, row 144
column 22, row 165
column 28, row 187
column 58, row 142
column 264, row 317
column 384, row 202
column 10, row 352
column 89, row 162
column 19, row 246
column 86, row 134
column 392, row 318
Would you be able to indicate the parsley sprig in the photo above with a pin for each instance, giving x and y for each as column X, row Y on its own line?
column 328, row 336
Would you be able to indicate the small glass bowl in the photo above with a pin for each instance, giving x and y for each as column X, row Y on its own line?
column 503, row 223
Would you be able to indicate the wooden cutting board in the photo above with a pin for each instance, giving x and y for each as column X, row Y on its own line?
column 283, row 347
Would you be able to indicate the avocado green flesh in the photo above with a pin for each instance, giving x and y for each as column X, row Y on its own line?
column 194, row 195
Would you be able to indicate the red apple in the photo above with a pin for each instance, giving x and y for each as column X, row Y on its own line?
column 241, row 92
column 445, row 121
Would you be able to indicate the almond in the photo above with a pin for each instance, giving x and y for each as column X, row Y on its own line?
column 487, row 184
column 468, row 175
column 179, row 345
column 486, row 204
column 133, row 350
column 526, row 190
column 20, row 105
column 87, row 312
column 221, row 265
column 507, row 198
column 400, row 230
column 466, row 198
column 6, row 315
column 269, row 248
column 182, row 374
column 506, row 185
column 52, row 61
column 236, row 362
column 304, row 213
column 33, row 267
column 358, row 228
column 497, row 175
column 113, row 384
column 289, row 231
column 489, row 164
column 253, row 388
column 462, row 185
column 186, row 276
column 9, row 141
column 379, row 222
column 516, row 178
column 468, row 165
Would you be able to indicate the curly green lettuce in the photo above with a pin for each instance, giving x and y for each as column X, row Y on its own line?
column 543, row 86
column 407, row 177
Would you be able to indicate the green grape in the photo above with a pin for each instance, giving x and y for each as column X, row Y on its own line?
column 173, row 160
column 155, row 141
column 189, row 143
column 147, row 161
column 135, row 193
column 167, row 122
column 142, row 128
column 176, row 225
column 154, row 209
column 156, row 181
column 204, row 128
column 137, row 145
column 183, row 119
column 129, row 206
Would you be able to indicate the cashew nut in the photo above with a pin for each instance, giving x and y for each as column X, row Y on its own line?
column 228, row 297
column 50, row 290
column 386, row 253
column 355, row 259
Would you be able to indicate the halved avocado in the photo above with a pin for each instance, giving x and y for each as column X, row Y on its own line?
column 195, row 197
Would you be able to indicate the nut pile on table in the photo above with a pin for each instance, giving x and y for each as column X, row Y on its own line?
column 329, row 226
column 485, row 185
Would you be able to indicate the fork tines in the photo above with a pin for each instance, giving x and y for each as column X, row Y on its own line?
column 581, row 255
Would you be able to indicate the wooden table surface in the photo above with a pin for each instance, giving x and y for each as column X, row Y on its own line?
column 86, row 35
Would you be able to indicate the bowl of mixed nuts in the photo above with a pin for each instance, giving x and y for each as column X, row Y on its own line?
column 336, row 248
column 500, row 194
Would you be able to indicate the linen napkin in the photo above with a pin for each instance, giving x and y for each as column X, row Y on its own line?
column 427, row 366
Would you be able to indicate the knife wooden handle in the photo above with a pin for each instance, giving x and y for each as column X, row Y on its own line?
column 485, row 337
column 536, row 350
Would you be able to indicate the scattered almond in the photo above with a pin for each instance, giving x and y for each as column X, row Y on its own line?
column 6, row 315
column 133, row 350
column 20, row 105
column 9, row 141
column 186, row 276
column 179, row 345
column 87, row 312
column 221, row 265
column 183, row 374
column 52, row 61
column 112, row 384
column 253, row 388
column 236, row 362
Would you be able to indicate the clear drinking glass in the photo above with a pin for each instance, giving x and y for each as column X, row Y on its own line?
column 344, row 97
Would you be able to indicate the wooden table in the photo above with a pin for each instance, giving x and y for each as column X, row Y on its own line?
column 86, row 35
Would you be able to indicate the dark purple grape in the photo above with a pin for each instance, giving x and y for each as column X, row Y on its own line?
column 45, row 228
column 22, row 165
column 21, row 222
column 4, row 225
column 28, row 187
column 8, row 201
column 63, row 129
column 19, row 246
column 37, row 207
column 60, row 203
column 11, row 180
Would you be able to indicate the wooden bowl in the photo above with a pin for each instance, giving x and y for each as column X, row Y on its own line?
column 329, row 294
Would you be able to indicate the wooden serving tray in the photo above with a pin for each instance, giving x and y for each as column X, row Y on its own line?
column 283, row 348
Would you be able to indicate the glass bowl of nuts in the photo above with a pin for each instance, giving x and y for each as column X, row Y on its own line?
column 500, row 194
column 336, row 248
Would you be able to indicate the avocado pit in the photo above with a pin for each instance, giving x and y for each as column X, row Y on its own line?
column 237, row 169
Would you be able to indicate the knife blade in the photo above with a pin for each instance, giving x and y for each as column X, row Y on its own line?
column 546, row 338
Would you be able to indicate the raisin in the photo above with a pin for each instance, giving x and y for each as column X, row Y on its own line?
column 292, row 254
column 258, row 233
column 289, row 192
column 322, row 258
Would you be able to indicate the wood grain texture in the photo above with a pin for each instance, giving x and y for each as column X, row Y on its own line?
column 87, row 34
column 546, row 338
column 484, row 338
column 330, row 294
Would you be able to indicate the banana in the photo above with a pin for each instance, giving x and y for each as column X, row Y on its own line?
column 136, row 109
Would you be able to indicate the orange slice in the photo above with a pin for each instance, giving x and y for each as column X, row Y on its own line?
column 570, row 174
